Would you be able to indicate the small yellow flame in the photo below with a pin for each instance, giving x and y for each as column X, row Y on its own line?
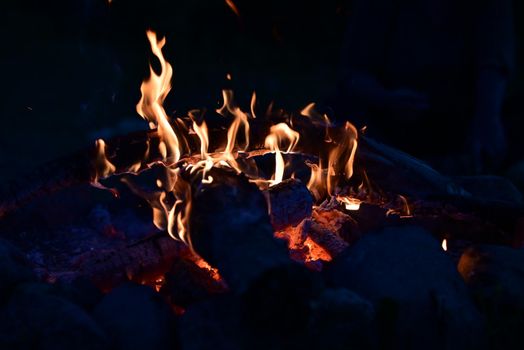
column 317, row 181
column 317, row 119
column 349, row 202
column 341, row 157
column 253, row 103
column 406, row 210
column 445, row 245
column 201, row 131
column 309, row 110
column 240, row 119
column 103, row 166
column 277, row 134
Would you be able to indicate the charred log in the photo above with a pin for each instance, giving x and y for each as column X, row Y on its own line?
column 290, row 202
column 142, row 261
column 238, row 238
column 187, row 283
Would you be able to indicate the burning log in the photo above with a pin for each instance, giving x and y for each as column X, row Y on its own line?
column 187, row 283
column 142, row 261
column 238, row 238
column 327, row 239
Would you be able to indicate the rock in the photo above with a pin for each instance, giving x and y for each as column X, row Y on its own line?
column 277, row 307
column 421, row 301
column 342, row 320
column 81, row 292
column 213, row 324
column 34, row 318
column 136, row 317
column 495, row 275
column 14, row 269
column 516, row 174
column 491, row 188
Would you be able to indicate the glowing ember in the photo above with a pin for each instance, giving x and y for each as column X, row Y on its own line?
column 316, row 252
column 103, row 166
column 204, row 265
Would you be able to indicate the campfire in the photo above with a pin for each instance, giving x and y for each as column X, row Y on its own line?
column 270, row 227
column 303, row 176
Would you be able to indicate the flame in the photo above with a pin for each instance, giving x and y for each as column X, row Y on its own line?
column 278, row 133
column 317, row 181
column 341, row 157
column 202, row 133
column 213, row 271
column 309, row 110
column 350, row 203
column 233, row 7
column 406, row 210
column 240, row 119
column 171, row 200
column 103, row 166
column 445, row 245
column 159, row 281
column 172, row 214
column 154, row 91
column 317, row 119
column 253, row 103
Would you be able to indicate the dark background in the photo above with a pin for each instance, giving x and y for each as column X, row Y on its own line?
column 72, row 69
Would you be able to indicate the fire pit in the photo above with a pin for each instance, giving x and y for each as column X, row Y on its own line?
column 241, row 229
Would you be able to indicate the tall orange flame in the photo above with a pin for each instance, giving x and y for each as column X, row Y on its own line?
column 154, row 91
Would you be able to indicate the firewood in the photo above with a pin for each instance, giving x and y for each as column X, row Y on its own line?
column 187, row 283
column 289, row 203
column 327, row 239
column 231, row 229
column 142, row 261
